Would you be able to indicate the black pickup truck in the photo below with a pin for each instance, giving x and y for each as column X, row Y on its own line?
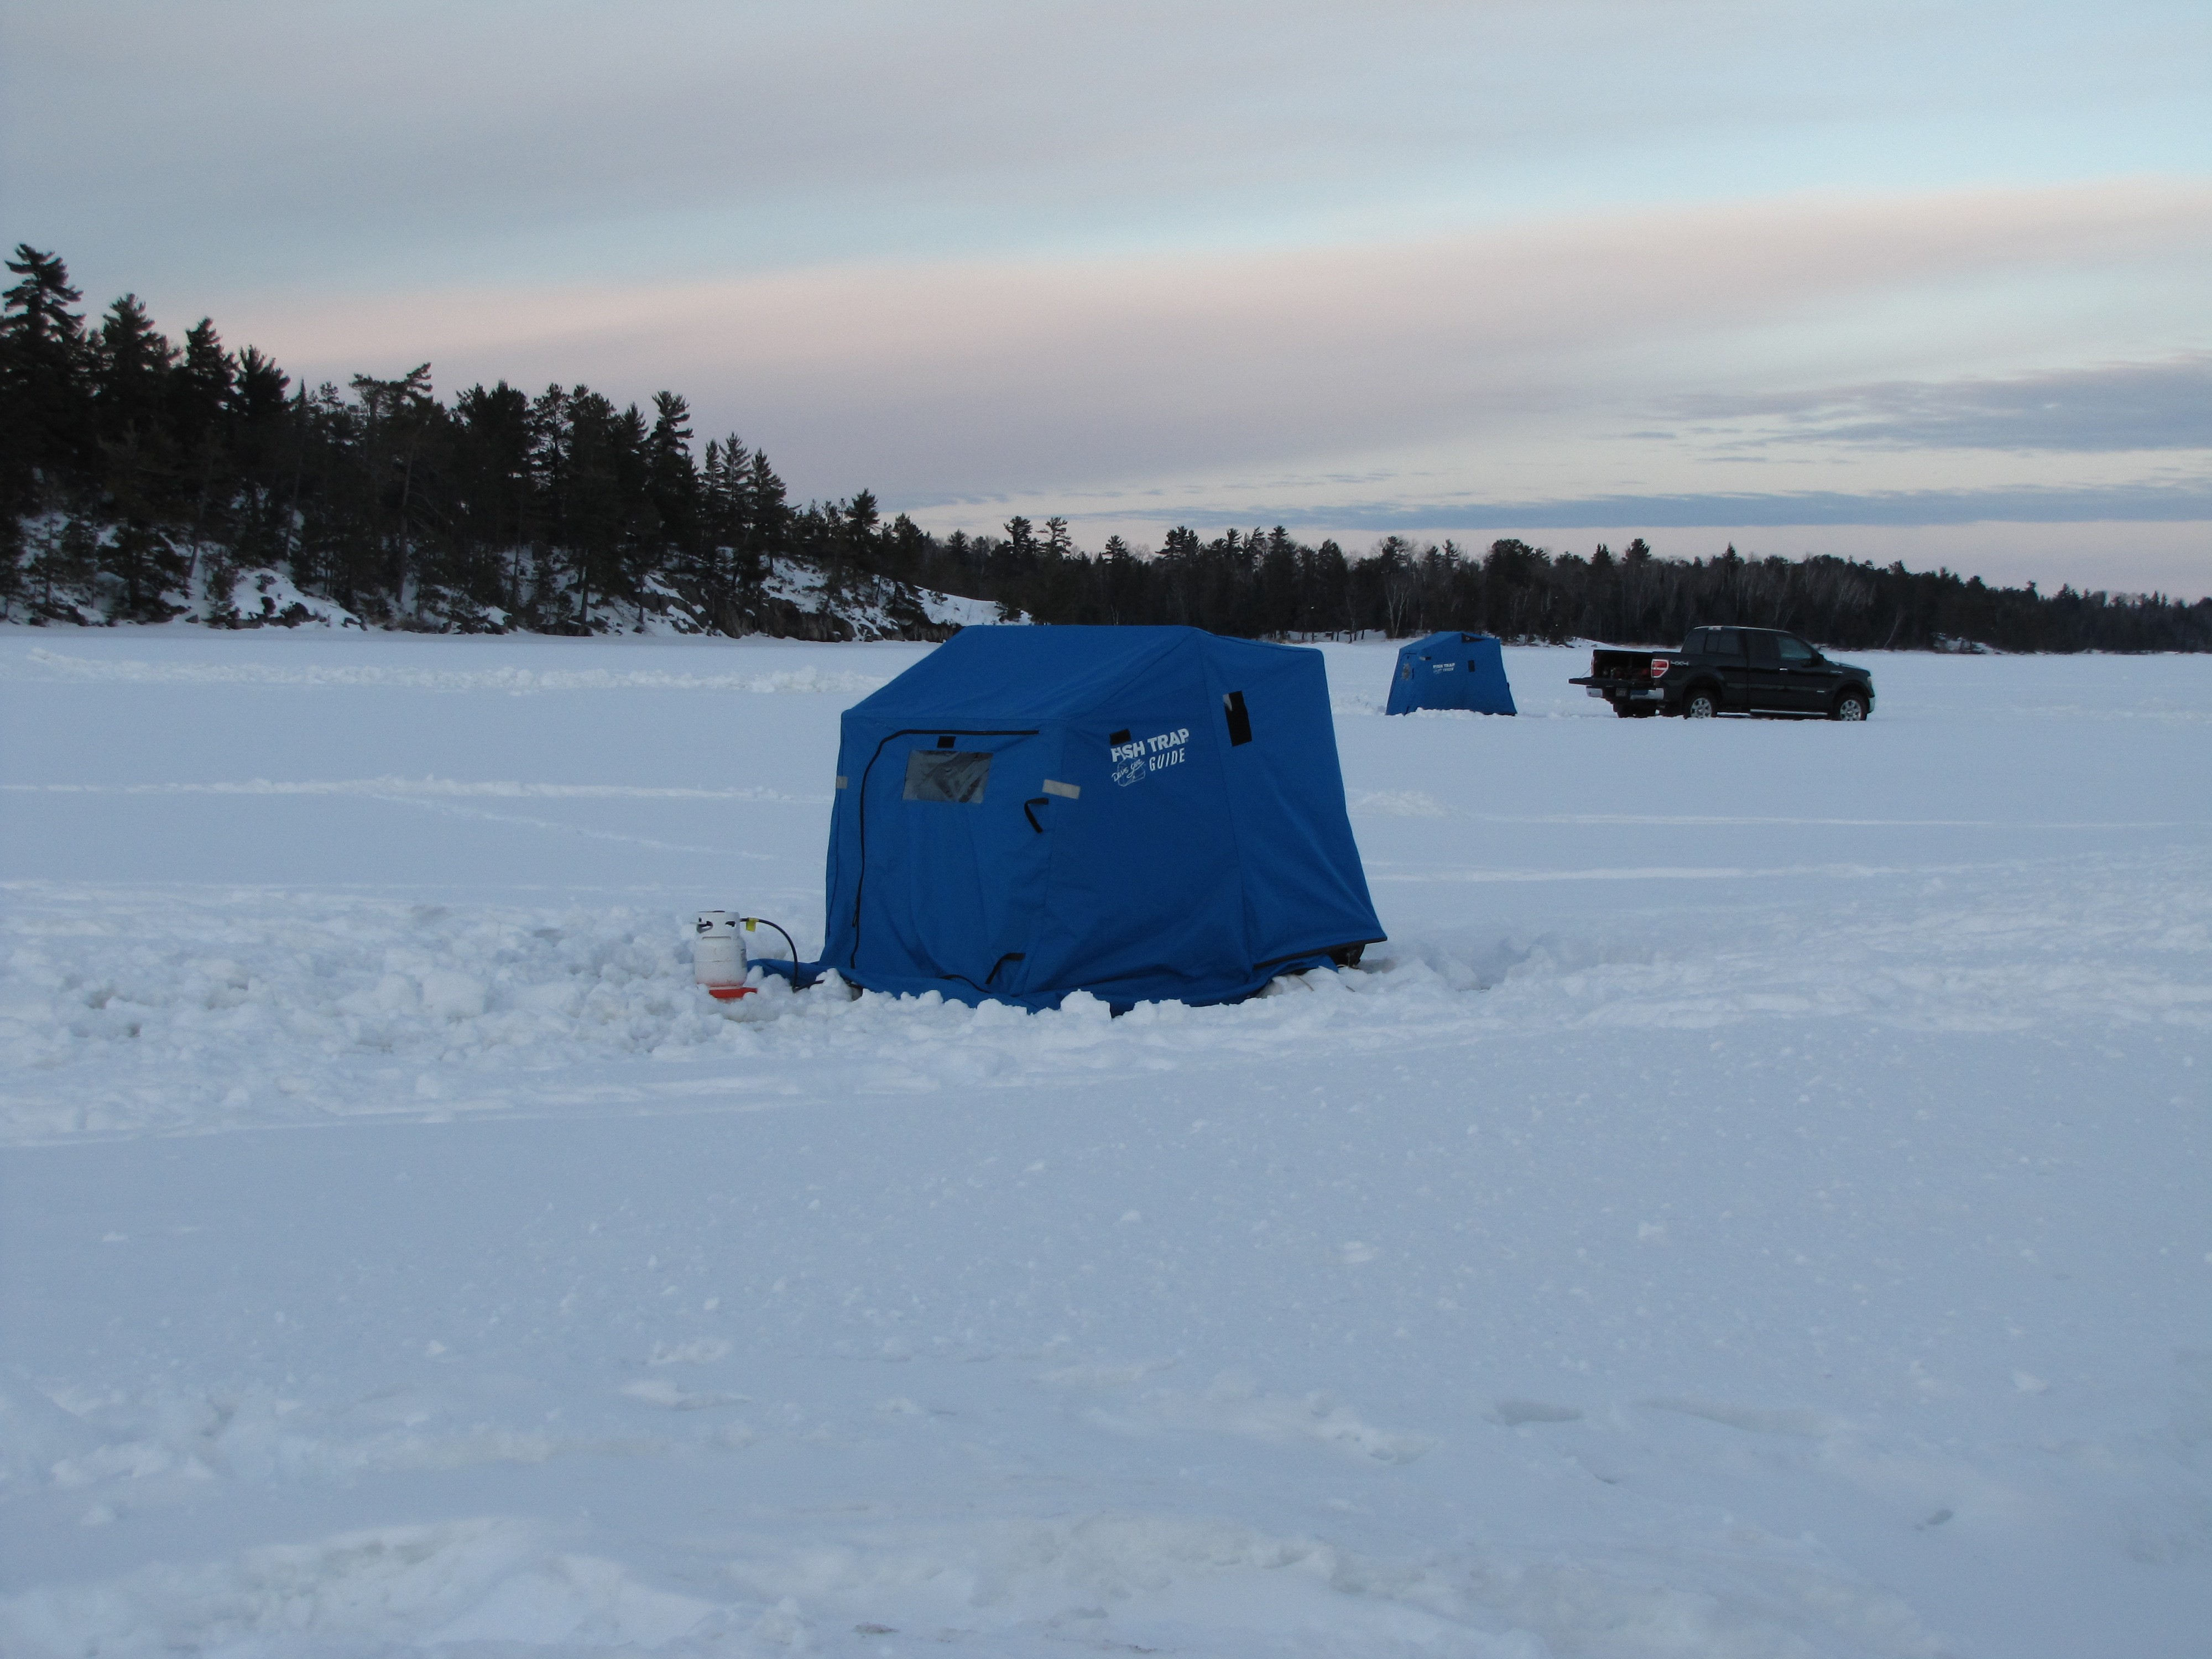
column 1731, row 671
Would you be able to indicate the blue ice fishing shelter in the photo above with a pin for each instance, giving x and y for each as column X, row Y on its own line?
column 1142, row 813
column 1451, row 671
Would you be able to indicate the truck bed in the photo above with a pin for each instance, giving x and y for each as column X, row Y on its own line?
column 1620, row 666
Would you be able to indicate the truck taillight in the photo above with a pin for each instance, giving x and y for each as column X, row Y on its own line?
column 1659, row 666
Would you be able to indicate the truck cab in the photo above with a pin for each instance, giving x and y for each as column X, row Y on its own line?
column 1731, row 671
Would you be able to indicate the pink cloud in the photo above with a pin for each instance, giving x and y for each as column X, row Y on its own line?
column 1046, row 373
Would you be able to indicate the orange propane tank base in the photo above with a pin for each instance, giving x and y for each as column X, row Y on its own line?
column 730, row 992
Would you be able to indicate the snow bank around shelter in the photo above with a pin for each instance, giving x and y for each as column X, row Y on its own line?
column 428, row 1586
column 1160, row 1584
column 168, row 1011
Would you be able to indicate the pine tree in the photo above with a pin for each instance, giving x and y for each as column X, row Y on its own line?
column 38, row 304
column 673, row 476
column 47, row 447
column 66, row 556
column 725, row 567
column 489, row 482
column 551, row 442
column 770, row 512
column 200, row 398
column 593, row 521
column 641, row 537
column 131, row 363
column 905, row 549
column 396, row 418
column 725, row 494
column 853, row 539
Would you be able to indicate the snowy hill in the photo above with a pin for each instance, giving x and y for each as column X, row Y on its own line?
column 801, row 604
column 1754, row 1205
column 796, row 599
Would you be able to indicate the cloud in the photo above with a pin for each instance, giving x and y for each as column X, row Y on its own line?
column 2166, row 404
column 2149, row 503
column 975, row 378
column 502, row 138
column 751, row 136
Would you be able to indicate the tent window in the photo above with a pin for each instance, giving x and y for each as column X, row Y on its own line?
column 1240, row 722
column 957, row 776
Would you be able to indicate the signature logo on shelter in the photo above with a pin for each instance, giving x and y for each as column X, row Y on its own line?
column 1142, row 757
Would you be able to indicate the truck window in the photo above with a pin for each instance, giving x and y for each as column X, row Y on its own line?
column 1796, row 653
column 1761, row 646
column 1724, row 642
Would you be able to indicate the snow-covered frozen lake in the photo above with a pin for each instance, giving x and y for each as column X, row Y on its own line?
column 1759, row 1203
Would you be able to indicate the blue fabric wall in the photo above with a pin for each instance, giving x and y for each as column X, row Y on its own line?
column 1123, row 843
column 1451, row 671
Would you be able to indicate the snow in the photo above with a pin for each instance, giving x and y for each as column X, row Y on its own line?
column 259, row 597
column 953, row 608
column 867, row 606
column 1754, row 1204
column 221, row 594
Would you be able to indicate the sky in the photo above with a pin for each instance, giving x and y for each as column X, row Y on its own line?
column 1889, row 281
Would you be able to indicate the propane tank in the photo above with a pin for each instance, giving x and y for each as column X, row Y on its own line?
column 718, row 956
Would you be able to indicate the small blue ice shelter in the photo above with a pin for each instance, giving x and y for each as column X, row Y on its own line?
column 1142, row 813
column 1451, row 671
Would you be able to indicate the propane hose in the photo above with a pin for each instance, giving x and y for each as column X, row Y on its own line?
column 763, row 921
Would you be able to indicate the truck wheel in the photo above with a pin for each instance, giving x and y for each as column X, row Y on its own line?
column 1852, row 705
column 1626, row 710
column 1700, row 705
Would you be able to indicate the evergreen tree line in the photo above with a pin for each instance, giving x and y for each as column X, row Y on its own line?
column 134, row 469
column 1267, row 583
column 134, row 466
